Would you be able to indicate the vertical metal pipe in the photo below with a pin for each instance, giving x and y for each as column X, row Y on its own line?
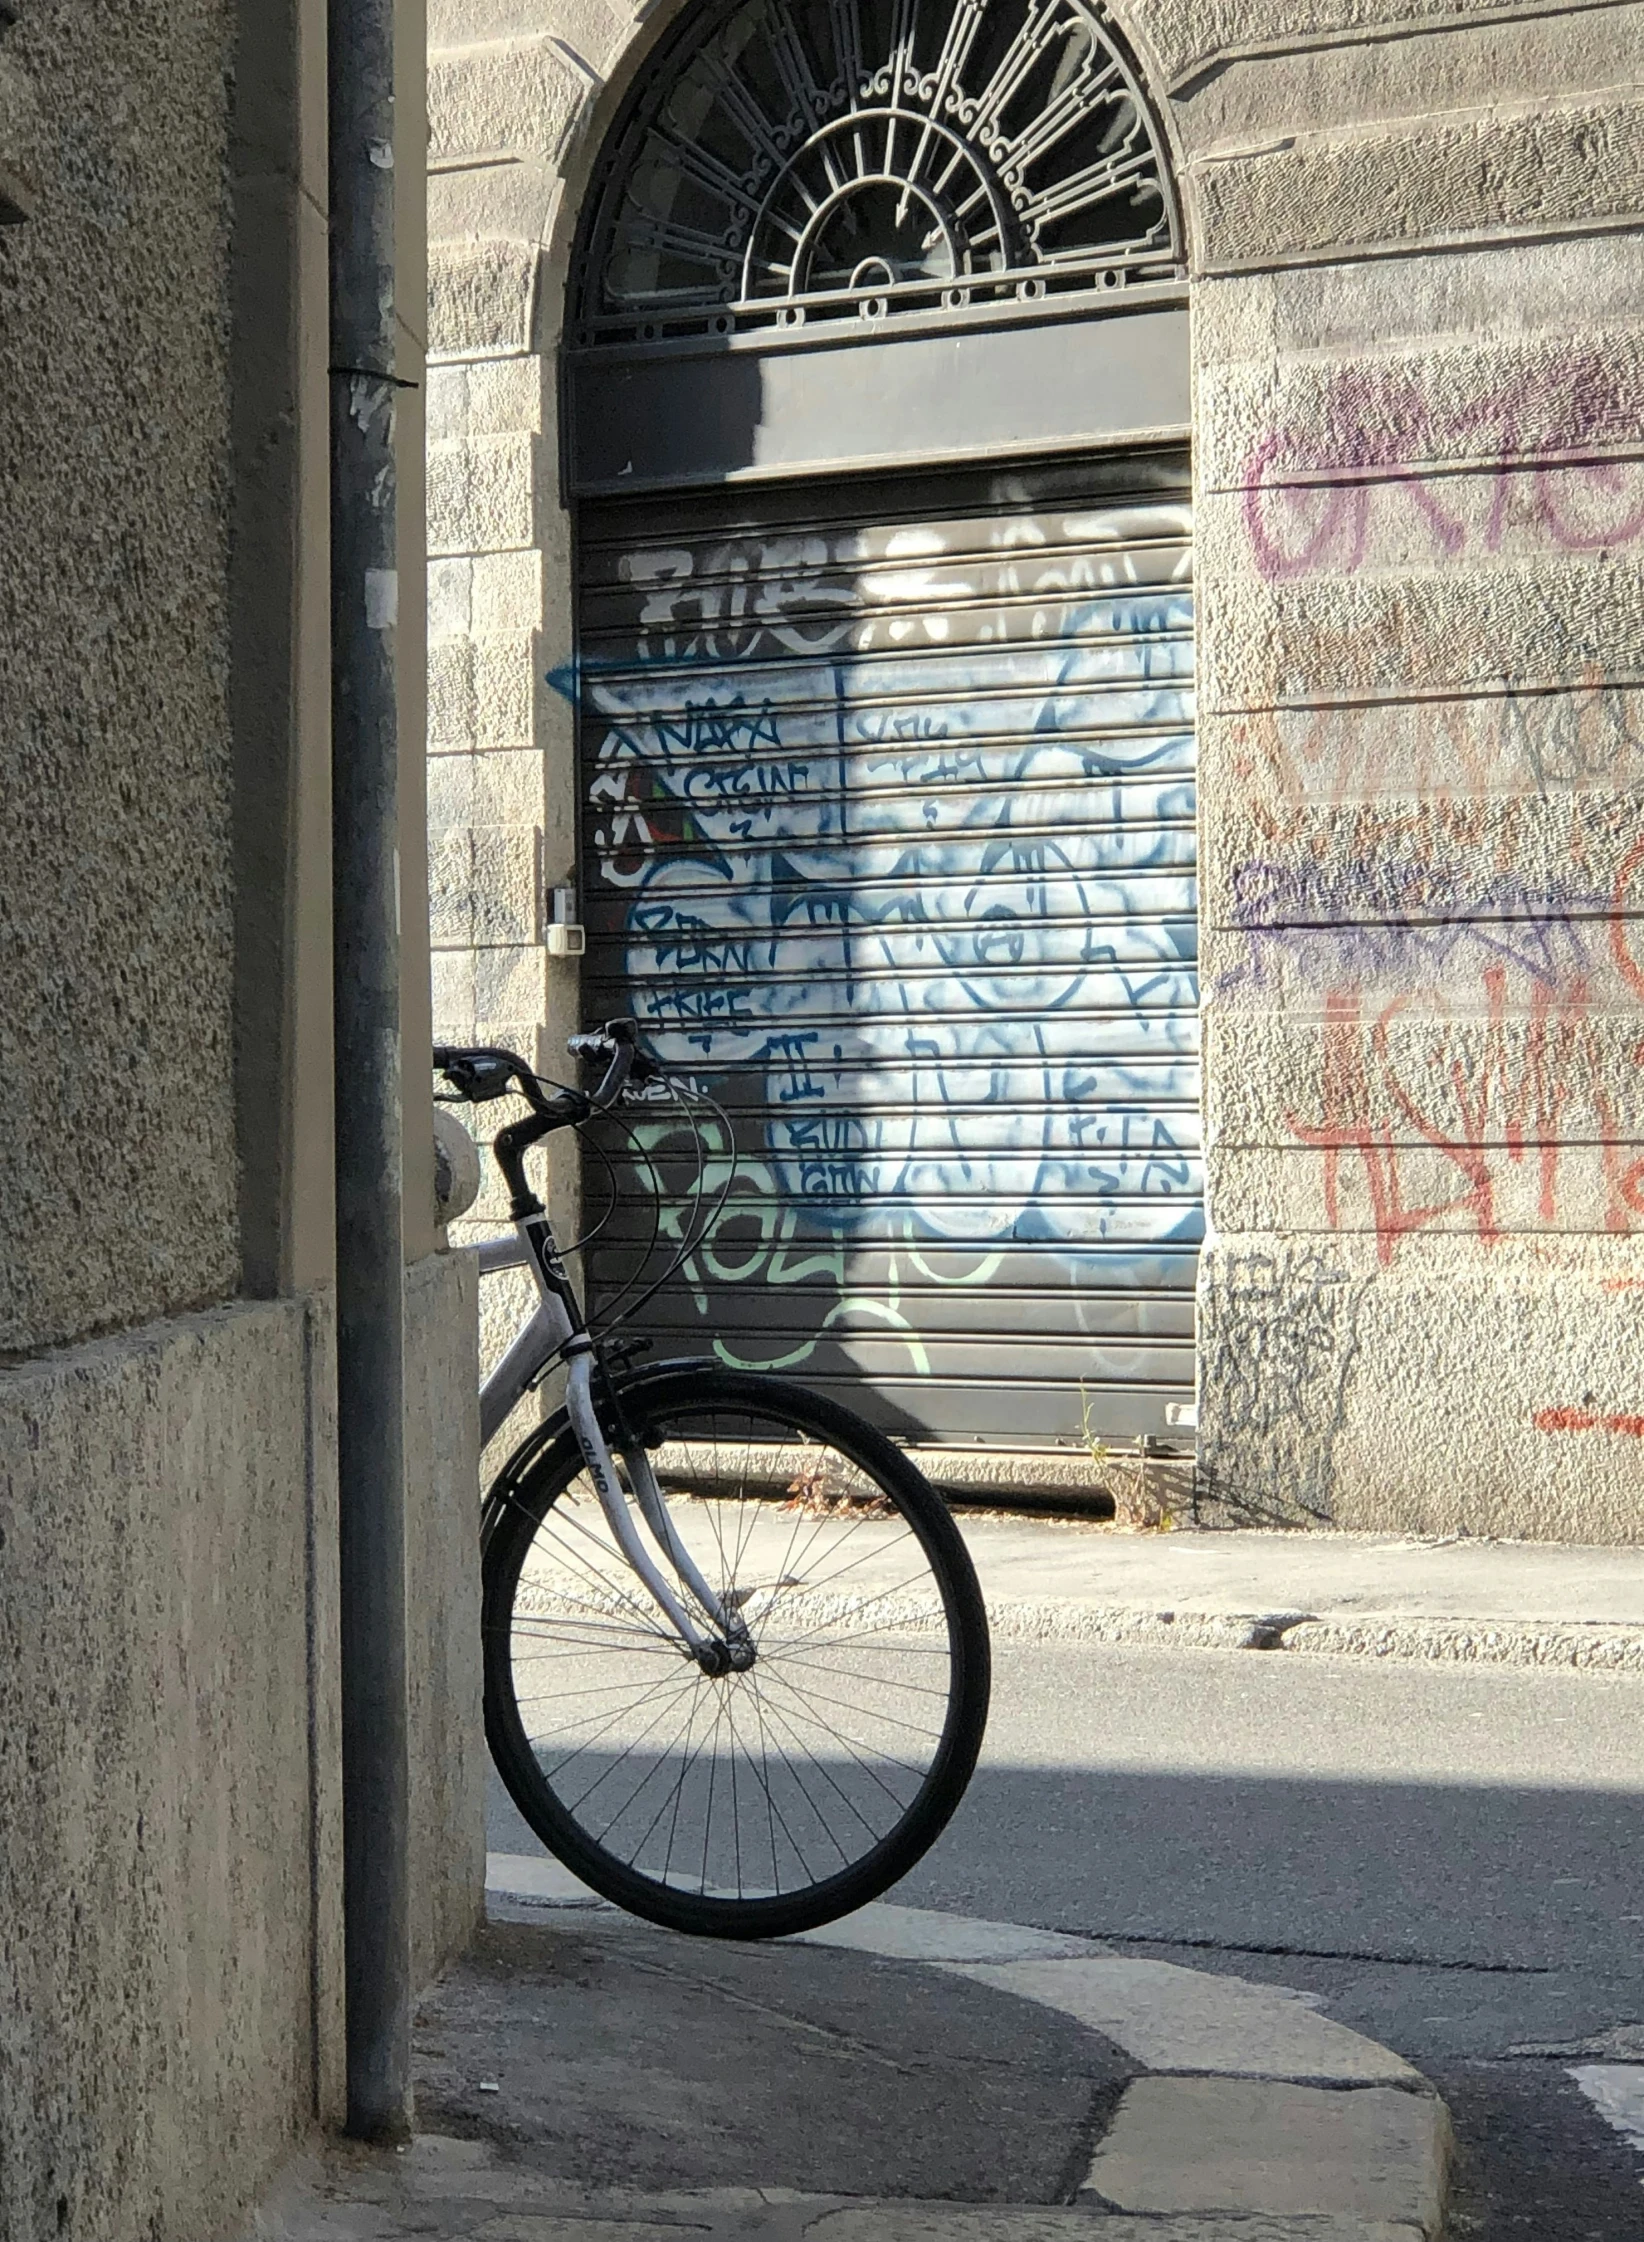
column 370, row 1256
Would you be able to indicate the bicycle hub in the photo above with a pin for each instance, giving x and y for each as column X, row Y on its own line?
column 717, row 1659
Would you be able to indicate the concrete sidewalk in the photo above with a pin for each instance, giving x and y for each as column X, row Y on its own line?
column 1488, row 1602
column 907, row 2076
column 903, row 2076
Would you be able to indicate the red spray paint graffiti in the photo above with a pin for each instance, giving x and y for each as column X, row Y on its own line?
column 1526, row 1084
column 1588, row 1420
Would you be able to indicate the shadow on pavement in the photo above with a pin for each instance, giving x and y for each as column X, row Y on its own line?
column 631, row 2057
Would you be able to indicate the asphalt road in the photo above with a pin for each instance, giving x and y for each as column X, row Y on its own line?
column 1448, row 1858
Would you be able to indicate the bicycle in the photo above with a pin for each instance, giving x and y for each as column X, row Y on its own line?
column 736, row 1661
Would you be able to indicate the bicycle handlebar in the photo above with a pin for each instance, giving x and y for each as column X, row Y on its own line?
column 480, row 1072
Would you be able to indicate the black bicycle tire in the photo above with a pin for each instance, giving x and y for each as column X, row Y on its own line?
column 766, row 1916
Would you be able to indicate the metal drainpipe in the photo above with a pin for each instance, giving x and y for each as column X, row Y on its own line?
column 370, row 1256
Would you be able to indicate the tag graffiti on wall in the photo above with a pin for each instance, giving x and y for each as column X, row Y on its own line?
column 1437, row 887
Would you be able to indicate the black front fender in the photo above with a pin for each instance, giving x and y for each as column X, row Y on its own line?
column 554, row 1442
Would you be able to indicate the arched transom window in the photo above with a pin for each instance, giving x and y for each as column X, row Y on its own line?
column 787, row 161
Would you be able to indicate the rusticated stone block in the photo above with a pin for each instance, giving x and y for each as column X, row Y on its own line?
column 484, row 887
column 590, row 26
column 480, row 297
column 1185, row 35
column 482, row 494
column 1454, row 1385
column 503, row 787
column 504, row 97
column 1451, row 65
column 1549, row 623
column 1428, row 180
column 480, row 693
column 1491, row 292
column 1268, row 768
column 485, row 397
column 481, row 592
column 1509, row 408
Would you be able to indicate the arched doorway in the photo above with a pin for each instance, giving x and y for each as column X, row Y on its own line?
column 877, row 401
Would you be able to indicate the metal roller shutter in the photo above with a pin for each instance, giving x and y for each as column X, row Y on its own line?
column 889, row 843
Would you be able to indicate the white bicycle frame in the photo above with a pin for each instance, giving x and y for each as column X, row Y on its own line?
column 546, row 1336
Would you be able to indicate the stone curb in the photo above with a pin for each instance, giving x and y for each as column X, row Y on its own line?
column 1447, row 1641
column 445, row 2190
column 1254, row 2118
column 1252, row 2103
column 1255, row 2115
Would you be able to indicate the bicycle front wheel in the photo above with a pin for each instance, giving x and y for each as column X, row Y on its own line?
column 780, row 1796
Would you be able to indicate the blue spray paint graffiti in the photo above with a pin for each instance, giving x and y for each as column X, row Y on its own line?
column 934, row 903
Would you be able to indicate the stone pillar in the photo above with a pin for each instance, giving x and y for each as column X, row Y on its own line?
column 511, row 88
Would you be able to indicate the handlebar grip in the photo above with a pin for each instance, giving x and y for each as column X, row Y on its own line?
column 618, row 1044
column 616, row 1074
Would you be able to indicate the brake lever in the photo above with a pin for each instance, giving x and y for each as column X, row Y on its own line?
column 478, row 1081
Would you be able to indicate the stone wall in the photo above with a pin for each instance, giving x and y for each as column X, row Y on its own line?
column 1418, row 377
column 1419, row 371
column 511, row 87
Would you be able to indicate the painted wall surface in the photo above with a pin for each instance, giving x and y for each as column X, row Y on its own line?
column 171, row 1865
column 1418, row 372
column 167, row 1494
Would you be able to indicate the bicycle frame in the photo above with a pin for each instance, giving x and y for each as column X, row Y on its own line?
column 557, row 1331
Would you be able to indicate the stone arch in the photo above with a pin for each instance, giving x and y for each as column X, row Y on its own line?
column 523, row 98
column 1065, row 191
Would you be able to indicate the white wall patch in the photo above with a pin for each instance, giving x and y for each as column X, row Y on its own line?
column 382, row 598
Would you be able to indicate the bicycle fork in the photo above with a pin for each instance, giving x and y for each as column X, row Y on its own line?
column 731, row 1650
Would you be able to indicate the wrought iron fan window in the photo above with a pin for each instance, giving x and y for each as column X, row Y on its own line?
column 794, row 160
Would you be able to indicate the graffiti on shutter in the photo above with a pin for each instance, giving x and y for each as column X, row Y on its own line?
column 889, row 845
